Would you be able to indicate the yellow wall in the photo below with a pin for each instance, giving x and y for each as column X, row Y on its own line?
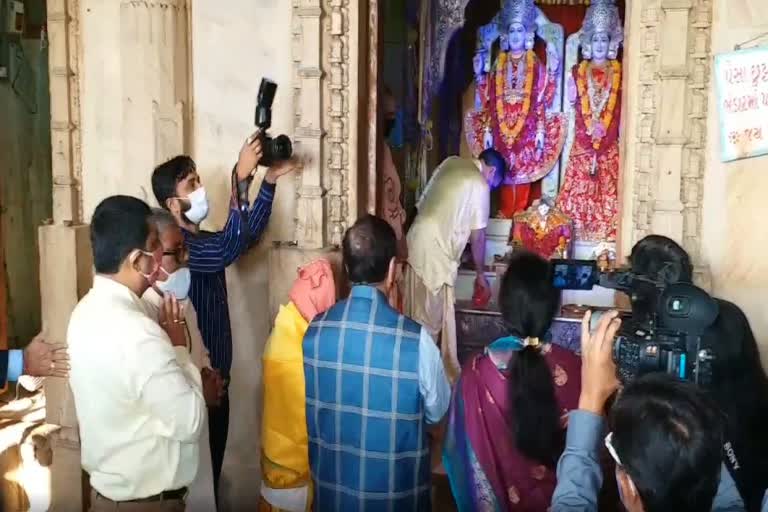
column 735, row 238
column 234, row 46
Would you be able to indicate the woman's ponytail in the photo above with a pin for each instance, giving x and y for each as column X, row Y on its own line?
column 538, row 432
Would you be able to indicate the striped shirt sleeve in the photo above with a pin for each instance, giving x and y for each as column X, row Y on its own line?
column 213, row 252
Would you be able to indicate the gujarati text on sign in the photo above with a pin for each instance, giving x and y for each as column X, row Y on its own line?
column 741, row 78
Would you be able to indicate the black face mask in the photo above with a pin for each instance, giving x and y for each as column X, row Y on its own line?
column 389, row 125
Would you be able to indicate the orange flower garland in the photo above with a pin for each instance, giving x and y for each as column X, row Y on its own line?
column 510, row 134
column 606, row 116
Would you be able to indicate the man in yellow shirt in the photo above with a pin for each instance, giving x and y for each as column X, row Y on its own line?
column 285, row 484
column 452, row 211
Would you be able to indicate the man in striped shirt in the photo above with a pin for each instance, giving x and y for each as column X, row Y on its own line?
column 178, row 189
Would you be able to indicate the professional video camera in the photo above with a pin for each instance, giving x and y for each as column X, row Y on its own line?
column 273, row 149
column 665, row 330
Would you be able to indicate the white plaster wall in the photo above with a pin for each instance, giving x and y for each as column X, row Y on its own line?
column 735, row 238
column 235, row 43
column 103, row 170
column 132, row 88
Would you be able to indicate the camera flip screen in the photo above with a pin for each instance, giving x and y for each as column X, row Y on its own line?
column 574, row 274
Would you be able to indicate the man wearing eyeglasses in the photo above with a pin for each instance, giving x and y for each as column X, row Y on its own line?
column 665, row 437
column 178, row 189
column 169, row 291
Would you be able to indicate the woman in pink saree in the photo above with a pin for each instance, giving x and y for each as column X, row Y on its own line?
column 509, row 410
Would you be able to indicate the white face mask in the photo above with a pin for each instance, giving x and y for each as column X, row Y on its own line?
column 177, row 284
column 198, row 209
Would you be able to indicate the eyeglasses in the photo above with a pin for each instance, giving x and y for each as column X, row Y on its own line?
column 181, row 255
column 611, row 449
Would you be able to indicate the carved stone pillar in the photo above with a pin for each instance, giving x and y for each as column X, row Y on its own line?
column 325, row 58
column 338, row 62
column 328, row 48
column 310, row 128
column 668, row 56
column 64, row 249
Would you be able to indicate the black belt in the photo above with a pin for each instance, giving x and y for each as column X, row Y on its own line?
column 175, row 495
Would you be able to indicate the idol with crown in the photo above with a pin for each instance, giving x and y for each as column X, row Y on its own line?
column 589, row 195
column 512, row 96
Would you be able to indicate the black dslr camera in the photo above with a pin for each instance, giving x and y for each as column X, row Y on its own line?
column 273, row 149
column 665, row 330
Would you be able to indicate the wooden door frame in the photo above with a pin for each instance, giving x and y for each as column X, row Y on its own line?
column 371, row 83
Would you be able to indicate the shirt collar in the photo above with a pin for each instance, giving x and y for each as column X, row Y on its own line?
column 111, row 287
column 365, row 291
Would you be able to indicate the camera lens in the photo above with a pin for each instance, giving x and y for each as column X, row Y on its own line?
column 282, row 149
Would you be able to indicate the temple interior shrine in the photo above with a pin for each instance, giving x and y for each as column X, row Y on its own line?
column 543, row 87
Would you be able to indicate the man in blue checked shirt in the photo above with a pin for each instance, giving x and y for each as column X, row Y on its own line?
column 178, row 189
column 374, row 382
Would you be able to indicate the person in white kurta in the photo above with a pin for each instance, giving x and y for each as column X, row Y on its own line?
column 200, row 497
column 452, row 211
column 138, row 397
column 174, row 279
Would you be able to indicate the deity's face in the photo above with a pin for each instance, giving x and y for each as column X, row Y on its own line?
column 543, row 209
column 516, row 37
column 600, row 45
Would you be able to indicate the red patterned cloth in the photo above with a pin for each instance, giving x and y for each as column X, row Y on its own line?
column 547, row 243
column 521, row 155
column 591, row 200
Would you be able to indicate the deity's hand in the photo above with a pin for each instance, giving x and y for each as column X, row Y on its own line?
column 553, row 59
column 478, row 102
column 478, row 65
column 487, row 139
column 571, row 90
column 598, row 131
column 539, row 145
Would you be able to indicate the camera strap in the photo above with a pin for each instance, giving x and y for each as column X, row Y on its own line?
column 241, row 195
column 751, row 486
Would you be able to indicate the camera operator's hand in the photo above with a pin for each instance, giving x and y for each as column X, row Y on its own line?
column 250, row 154
column 282, row 168
column 598, row 371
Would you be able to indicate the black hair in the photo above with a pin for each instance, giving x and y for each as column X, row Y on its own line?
column 494, row 159
column 166, row 176
column 528, row 304
column 368, row 247
column 657, row 256
column 741, row 391
column 120, row 225
column 668, row 435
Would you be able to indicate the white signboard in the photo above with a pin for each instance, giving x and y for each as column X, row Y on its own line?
column 741, row 78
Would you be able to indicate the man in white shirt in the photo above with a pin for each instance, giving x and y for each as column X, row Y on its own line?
column 174, row 280
column 452, row 211
column 138, row 395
